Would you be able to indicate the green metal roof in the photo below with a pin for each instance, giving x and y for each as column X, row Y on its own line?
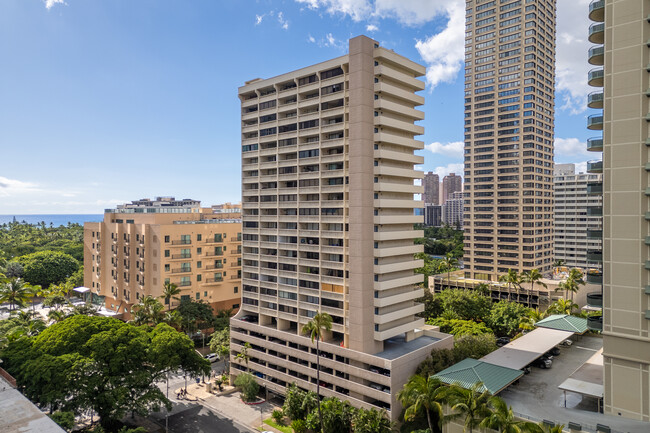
column 470, row 371
column 564, row 322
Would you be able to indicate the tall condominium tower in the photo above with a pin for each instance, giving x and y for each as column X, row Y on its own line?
column 431, row 188
column 621, row 32
column 578, row 232
column 450, row 184
column 328, row 212
column 509, row 111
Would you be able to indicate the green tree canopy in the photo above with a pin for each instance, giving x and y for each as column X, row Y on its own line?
column 459, row 327
column 48, row 267
column 18, row 239
column 466, row 304
column 505, row 317
column 101, row 364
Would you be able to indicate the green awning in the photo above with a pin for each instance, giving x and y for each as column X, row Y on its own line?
column 470, row 371
column 564, row 322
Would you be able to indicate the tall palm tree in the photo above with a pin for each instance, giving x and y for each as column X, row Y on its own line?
column 512, row 278
column 533, row 276
column 503, row 419
column 469, row 404
column 527, row 322
column 424, row 394
column 16, row 292
column 320, row 323
column 562, row 306
column 169, row 292
column 574, row 281
column 148, row 311
column 448, row 263
column 34, row 291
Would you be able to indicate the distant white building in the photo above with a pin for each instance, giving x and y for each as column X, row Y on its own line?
column 578, row 216
column 452, row 210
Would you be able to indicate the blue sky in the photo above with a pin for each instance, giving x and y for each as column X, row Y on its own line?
column 103, row 102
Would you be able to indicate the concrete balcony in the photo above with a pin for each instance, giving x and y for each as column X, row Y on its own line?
column 389, row 106
column 596, row 55
column 408, row 204
column 595, row 122
column 595, row 211
column 594, row 234
column 595, row 78
column 398, row 234
column 398, row 282
column 597, row 33
column 594, row 277
column 595, row 256
column 398, row 187
column 387, row 170
column 595, row 188
column 405, row 79
column 398, row 314
column 399, row 266
column 595, row 100
column 392, row 332
column 385, row 137
column 402, row 125
column 595, row 299
column 399, row 219
column 399, row 156
column 397, row 251
column 396, row 299
column 595, row 323
column 406, row 95
column 595, row 144
column 597, row 11
column 594, row 166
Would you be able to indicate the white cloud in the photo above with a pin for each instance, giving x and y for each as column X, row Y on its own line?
column 415, row 12
column 10, row 187
column 454, row 149
column 457, row 168
column 283, row 22
column 49, row 4
column 356, row 9
column 581, row 167
column 331, row 41
column 371, row 28
column 258, row 19
column 444, row 52
column 571, row 149
column 311, row 39
column 571, row 56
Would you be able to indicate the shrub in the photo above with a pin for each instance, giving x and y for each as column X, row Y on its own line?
column 248, row 385
column 65, row 420
column 299, row 426
column 278, row 417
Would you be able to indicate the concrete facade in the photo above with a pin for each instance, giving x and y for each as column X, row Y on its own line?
column 328, row 213
column 452, row 210
column 577, row 231
column 509, row 121
column 451, row 184
column 621, row 31
column 431, row 184
column 141, row 245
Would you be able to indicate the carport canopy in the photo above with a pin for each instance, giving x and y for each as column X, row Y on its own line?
column 524, row 350
column 588, row 378
column 470, row 371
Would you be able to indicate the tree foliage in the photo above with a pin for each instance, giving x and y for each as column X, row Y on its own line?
column 65, row 420
column 248, row 385
column 100, row 364
column 468, row 346
column 442, row 240
column 459, row 327
column 466, row 304
column 47, row 267
column 18, row 239
column 505, row 317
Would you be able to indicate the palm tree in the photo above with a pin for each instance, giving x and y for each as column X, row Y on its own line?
column 56, row 316
column 562, row 306
column 448, row 263
column 320, row 323
column 173, row 319
column 533, row 276
column 574, row 281
column 558, row 263
column 170, row 291
column 34, row 291
column 527, row 322
column 469, row 404
column 148, row 311
column 512, row 278
column 16, row 292
column 483, row 289
column 559, row 428
column 503, row 419
column 424, row 393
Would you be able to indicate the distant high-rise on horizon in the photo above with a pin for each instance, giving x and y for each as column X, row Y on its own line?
column 451, row 184
column 509, row 120
column 431, row 188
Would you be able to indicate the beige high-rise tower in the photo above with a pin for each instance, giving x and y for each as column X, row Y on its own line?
column 621, row 32
column 509, row 112
column 431, row 184
column 328, row 212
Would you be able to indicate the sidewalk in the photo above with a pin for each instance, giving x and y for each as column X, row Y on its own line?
column 231, row 406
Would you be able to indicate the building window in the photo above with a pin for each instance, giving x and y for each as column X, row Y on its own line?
column 167, row 268
column 236, row 289
column 166, row 239
column 198, row 277
column 166, row 253
column 198, row 238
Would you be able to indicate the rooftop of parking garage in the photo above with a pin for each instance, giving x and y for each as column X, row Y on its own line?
column 398, row 346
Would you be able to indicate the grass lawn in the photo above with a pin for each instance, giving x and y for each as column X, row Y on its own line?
column 273, row 424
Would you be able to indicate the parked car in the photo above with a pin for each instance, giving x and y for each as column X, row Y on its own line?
column 542, row 363
column 502, row 341
column 554, row 351
column 212, row 357
column 566, row 343
column 250, row 318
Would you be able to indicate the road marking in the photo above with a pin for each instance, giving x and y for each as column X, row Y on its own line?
column 586, row 348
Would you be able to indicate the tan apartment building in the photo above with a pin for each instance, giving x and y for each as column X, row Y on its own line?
column 328, row 185
column 450, row 184
column 431, row 184
column 509, row 121
column 621, row 32
column 143, row 244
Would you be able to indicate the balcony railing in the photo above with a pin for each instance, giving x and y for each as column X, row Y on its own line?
column 595, row 211
column 595, row 299
column 595, row 188
column 214, row 280
column 597, row 11
column 595, row 323
column 182, row 242
column 181, row 256
column 595, row 77
column 181, row 270
column 595, row 100
column 595, row 122
column 594, row 166
column 596, row 55
column 597, row 33
column 595, row 144
column 594, row 234
column 594, row 256
column 219, row 266
column 594, row 278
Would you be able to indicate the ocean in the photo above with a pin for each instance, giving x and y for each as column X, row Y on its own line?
column 56, row 220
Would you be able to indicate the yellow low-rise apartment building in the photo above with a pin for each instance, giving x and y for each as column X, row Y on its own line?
column 143, row 244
